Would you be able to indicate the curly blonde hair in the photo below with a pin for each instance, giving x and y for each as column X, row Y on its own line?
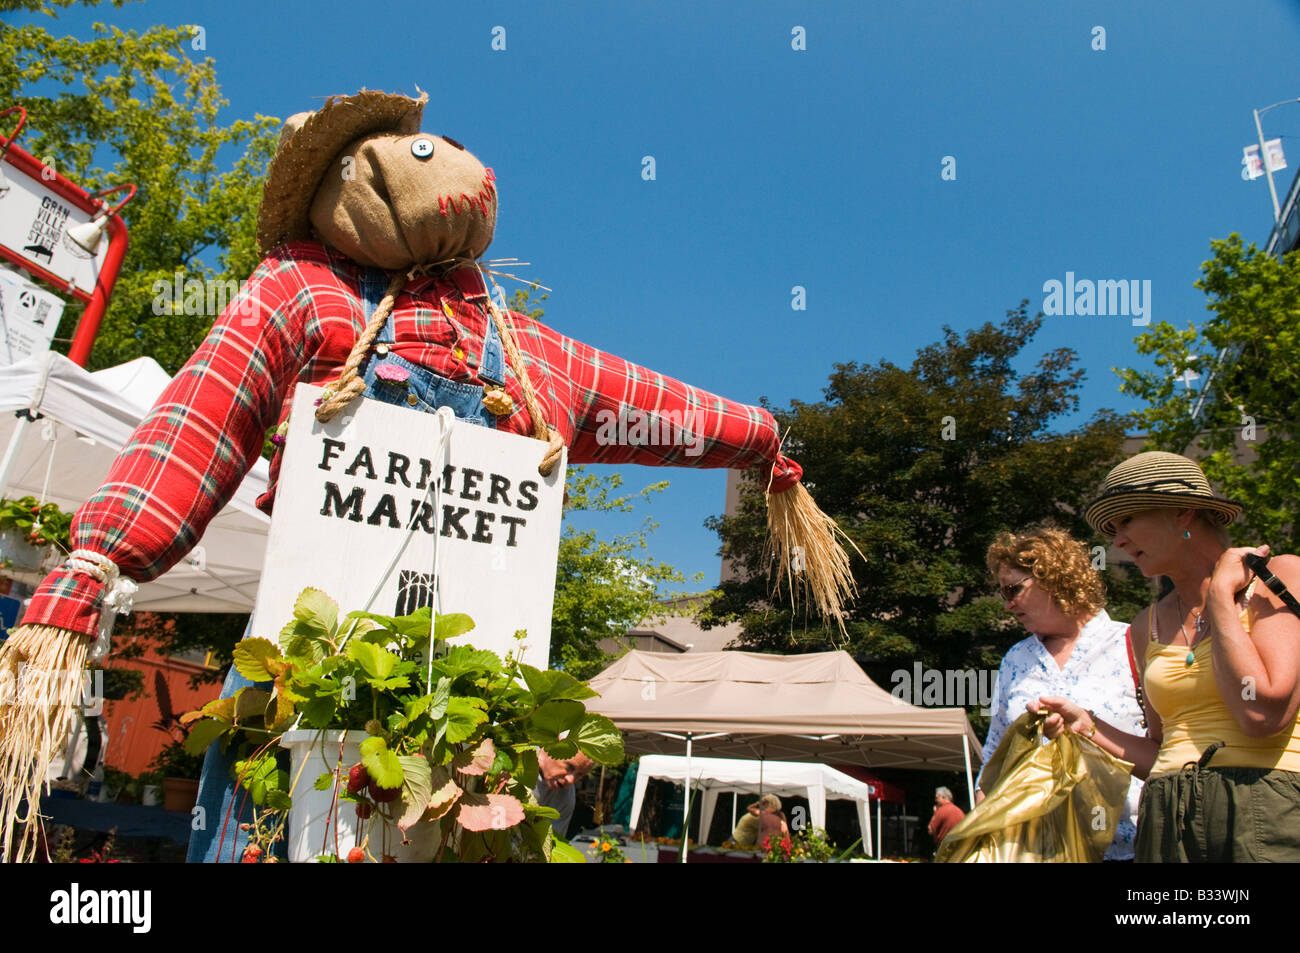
column 1057, row 561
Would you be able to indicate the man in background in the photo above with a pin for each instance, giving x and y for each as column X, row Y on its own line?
column 946, row 815
column 555, row 788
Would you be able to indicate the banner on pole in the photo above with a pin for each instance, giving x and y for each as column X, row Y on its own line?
column 29, row 317
column 382, row 506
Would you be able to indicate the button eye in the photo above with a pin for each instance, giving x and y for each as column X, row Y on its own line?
column 422, row 148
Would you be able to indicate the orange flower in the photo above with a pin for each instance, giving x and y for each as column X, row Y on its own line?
column 605, row 846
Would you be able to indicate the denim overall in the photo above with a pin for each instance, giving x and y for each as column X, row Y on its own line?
column 422, row 390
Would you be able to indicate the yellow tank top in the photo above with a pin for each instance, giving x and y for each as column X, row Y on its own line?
column 1186, row 697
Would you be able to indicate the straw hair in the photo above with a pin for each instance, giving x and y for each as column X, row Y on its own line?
column 34, row 729
column 799, row 532
column 1155, row 480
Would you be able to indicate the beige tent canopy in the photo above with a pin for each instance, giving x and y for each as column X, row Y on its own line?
column 815, row 707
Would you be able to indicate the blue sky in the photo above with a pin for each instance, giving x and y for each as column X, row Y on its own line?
column 819, row 168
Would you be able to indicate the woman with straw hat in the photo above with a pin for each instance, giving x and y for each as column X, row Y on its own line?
column 1221, row 677
column 371, row 284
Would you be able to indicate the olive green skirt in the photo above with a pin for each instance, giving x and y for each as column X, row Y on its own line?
column 1220, row 815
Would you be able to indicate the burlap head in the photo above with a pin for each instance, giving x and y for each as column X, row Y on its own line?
column 309, row 142
column 396, row 201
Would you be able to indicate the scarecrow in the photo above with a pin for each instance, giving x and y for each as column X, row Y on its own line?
column 371, row 284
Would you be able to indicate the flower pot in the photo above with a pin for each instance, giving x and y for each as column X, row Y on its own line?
column 22, row 558
column 179, row 794
column 312, row 824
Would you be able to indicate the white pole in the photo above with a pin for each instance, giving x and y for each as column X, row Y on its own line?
column 970, row 778
column 686, row 801
column 1263, row 158
column 880, row 830
column 11, row 452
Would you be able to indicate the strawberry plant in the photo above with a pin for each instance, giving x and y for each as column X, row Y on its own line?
column 451, row 732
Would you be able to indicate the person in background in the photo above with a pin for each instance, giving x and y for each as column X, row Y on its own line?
column 1075, row 649
column 947, row 815
column 555, row 788
column 746, row 832
column 771, row 822
column 1221, row 674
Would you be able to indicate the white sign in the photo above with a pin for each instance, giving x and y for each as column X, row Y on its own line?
column 29, row 317
column 1250, row 159
column 34, row 223
column 1276, row 158
column 383, row 502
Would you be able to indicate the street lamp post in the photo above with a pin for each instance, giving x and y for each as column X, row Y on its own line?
column 1263, row 155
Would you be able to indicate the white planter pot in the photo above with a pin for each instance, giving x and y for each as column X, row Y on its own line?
column 151, row 795
column 24, row 558
column 312, row 826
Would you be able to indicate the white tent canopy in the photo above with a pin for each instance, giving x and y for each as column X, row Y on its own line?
column 714, row 776
column 64, row 455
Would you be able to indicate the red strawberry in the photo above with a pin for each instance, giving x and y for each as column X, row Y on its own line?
column 389, row 859
column 356, row 856
column 383, row 795
column 252, row 854
column 363, row 809
column 358, row 778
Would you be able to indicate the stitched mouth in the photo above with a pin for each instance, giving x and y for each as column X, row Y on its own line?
column 486, row 193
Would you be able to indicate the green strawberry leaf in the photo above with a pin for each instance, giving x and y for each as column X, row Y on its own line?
column 553, row 719
column 599, row 739
column 252, row 657
column 417, row 788
column 377, row 663
column 451, row 625
column 203, row 734
column 383, row 765
column 464, row 715
column 548, row 685
column 562, row 853
column 477, row 760
column 319, row 712
column 325, row 781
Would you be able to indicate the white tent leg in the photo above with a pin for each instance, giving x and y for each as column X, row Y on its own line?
column 11, row 453
column 735, row 800
column 880, row 830
column 864, row 824
column 970, row 778
column 686, row 801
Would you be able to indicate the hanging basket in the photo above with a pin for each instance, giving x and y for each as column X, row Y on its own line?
column 21, row 560
column 315, row 817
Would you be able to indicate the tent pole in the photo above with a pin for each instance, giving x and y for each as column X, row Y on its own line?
column 880, row 830
column 12, row 451
column 970, row 779
column 686, row 801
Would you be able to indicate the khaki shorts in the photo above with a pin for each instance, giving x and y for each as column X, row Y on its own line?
column 1220, row 815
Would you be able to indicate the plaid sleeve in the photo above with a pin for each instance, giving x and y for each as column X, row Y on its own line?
column 613, row 411
column 188, row 456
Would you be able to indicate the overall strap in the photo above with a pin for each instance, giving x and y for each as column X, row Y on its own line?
column 374, row 282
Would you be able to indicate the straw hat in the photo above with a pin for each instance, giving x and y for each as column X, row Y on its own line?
column 1151, row 480
column 308, row 144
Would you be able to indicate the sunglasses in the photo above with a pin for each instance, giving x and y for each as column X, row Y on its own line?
column 1012, row 592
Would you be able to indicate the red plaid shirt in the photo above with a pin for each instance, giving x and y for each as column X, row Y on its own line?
column 297, row 321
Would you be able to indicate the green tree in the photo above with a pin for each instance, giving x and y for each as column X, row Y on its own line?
column 1248, row 358
column 922, row 467
column 122, row 106
column 603, row 587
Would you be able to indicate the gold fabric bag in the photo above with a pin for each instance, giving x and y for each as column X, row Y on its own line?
column 1058, row 802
